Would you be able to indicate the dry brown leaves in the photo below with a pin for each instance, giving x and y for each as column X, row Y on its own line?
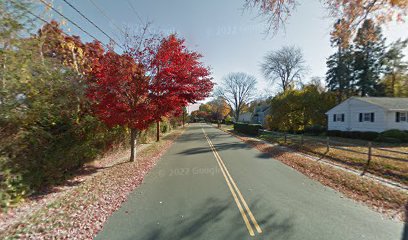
column 81, row 213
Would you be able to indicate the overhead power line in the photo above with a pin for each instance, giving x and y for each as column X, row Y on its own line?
column 134, row 10
column 43, row 20
column 72, row 22
column 80, row 13
column 138, row 16
column 29, row 11
column 107, row 17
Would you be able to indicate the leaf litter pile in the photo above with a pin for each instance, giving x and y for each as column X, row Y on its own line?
column 80, row 212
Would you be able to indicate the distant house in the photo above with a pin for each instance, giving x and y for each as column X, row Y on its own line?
column 245, row 117
column 374, row 114
column 260, row 112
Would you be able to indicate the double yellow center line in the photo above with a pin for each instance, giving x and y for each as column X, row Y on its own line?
column 236, row 193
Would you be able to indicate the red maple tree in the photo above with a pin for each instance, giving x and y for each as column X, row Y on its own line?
column 177, row 78
column 119, row 91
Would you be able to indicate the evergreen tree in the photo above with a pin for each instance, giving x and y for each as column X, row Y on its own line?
column 396, row 69
column 339, row 77
column 368, row 55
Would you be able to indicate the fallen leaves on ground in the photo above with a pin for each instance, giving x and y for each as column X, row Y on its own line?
column 81, row 213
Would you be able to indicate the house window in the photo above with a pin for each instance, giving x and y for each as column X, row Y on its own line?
column 401, row 117
column 366, row 117
column 338, row 117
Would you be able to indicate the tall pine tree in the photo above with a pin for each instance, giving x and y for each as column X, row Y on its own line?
column 340, row 77
column 396, row 70
column 368, row 58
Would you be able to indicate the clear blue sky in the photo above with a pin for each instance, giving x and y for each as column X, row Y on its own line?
column 230, row 39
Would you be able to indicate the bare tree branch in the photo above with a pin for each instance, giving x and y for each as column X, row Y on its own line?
column 285, row 65
column 237, row 89
column 275, row 12
column 353, row 12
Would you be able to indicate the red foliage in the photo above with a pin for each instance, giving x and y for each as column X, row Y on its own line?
column 119, row 90
column 178, row 77
column 93, row 51
column 125, row 94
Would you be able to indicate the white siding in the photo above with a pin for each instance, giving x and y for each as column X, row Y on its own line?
column 342, row 108
column 352, row 109
column 392, row 124
column 245, row 117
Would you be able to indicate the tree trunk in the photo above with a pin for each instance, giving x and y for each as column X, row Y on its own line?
column 157, row 131
column 133, row 135
column 393, row 85
column 3, row 79
column 183, row 118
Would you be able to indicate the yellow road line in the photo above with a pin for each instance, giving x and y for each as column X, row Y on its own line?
column 251, row 216
column 248, row 225
column 230, row 179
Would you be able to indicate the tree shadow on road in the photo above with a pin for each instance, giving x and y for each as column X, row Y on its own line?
column 219, row 147
column 193, row 136
column 268, row 152
column 189, row 137
column 212, row 215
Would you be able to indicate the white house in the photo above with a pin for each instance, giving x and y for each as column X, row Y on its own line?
column 260, row 113
column 369, row 114
column 245, row 117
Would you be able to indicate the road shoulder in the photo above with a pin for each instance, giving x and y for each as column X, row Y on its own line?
column 391, row 202
column 80, row 212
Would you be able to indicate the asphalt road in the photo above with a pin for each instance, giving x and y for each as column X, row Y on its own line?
column 210, row 185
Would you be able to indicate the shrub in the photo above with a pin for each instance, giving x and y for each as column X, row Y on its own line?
column 42, row 155
column 387, row 139
column 164, row 126
column 335, row 133
column 315, row 129
column 149, row 134
column 370, row 136
column 229, row 120
column 393, row 136
column 12, row 189
column 250, row 129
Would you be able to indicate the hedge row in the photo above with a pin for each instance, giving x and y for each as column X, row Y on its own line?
column 250, row 129
column 370, row 136
column 391, row 136
column 315, row 130
column 394, row 136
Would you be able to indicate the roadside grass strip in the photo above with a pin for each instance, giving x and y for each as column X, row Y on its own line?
column 236, row 193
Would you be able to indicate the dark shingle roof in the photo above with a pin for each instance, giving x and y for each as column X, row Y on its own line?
column 389, row 103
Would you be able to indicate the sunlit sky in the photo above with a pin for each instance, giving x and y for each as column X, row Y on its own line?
column 229, row 38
